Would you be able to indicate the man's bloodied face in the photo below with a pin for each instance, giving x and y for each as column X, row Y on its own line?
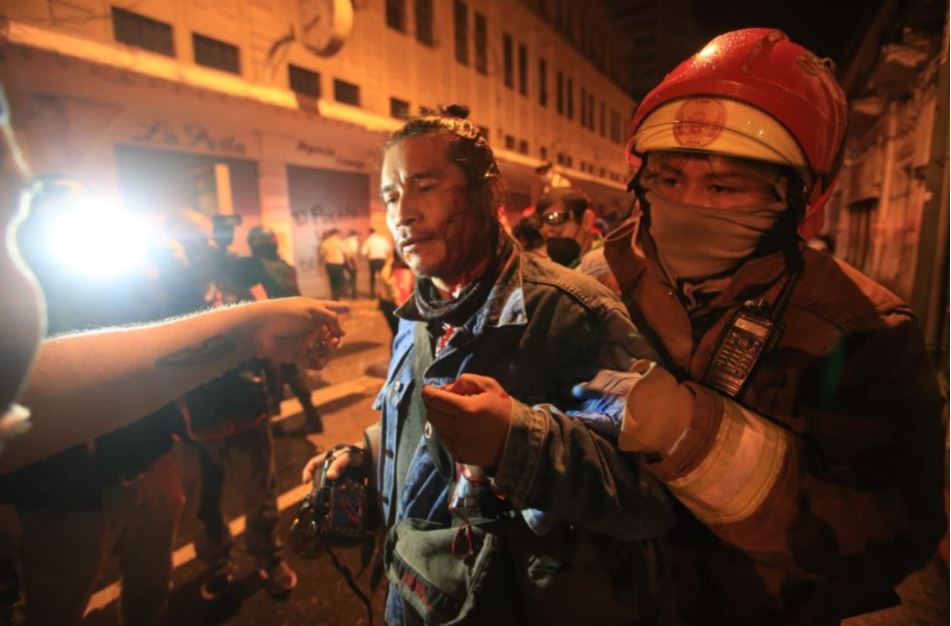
column 428, row 207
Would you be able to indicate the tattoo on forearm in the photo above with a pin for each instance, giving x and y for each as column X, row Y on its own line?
column 210, row 350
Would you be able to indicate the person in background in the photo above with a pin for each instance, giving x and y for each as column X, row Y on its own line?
column 227, row 418
column 332, row 253
column 567, row 223
column 279, row 279
column 596, row 266
column 351, row 248
column 550, row 178
column 377, row 249
column 394, row 288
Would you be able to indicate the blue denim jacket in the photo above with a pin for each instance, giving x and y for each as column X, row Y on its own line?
column 543, row 329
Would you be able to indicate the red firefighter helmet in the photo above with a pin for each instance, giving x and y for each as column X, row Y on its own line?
column 754, row 94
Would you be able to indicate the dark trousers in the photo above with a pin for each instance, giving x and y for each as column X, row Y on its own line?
column 248, row 460
column 376, row 266
column 335, row 274
column 351, row 271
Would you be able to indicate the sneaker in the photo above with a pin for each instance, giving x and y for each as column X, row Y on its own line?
column 216, row 583
column 279, row 579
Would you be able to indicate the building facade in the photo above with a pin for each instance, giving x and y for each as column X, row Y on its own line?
column 276, row 111
column 889, row 215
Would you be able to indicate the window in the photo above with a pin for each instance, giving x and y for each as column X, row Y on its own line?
column 217, row 54
column 399, row 108
column 303, row 81
column 345, row 92
column 543, row 153
column 570, row 88
column 509, row 142
column 507, row 60
column 461, row 18
column 396, row 15
column 542, row 82
column 584, row 107
column 523, row 146
column 560, row 96
column 591, row 111
column 142, row 32
column 424, row 22
column 522, row 69
column 601, row 128
column 481, row 37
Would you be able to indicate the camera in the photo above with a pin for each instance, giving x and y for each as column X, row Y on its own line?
column 336, row 512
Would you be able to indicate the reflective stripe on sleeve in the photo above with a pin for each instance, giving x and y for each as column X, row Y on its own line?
column 740, row 470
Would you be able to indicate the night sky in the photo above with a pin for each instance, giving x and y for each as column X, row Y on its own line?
column 826, row 27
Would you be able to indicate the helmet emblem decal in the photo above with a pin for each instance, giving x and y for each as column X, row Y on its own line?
column 698, row 122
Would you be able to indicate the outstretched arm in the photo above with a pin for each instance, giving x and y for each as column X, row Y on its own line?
column 88, row 384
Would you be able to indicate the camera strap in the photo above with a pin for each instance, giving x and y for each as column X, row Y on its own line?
column 349, row 578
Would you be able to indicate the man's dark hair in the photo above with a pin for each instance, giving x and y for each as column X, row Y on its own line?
column 468, row 149
column 572, row 199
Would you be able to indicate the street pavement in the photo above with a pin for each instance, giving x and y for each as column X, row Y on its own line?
column 344, row 393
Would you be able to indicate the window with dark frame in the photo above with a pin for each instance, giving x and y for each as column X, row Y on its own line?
column 570, row 108
column 399, row 109
column 601, row 125
column 345, row 92
column 523, row 146
column 508, row 61
column 424, row 22
column 142, row 32
column 543, row 153
column 560, row 92
column 396, row 15
column 583, row 118
column 591, row 111
column 522, row 69
column 509, row 142
column 303, row 81
column 461, row 21
column 542, row 82
column 216, row 54
column 481, row 44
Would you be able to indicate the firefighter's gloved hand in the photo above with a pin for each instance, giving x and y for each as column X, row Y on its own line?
column 650, row 409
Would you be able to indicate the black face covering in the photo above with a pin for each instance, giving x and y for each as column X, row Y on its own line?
column 456, row 311
column 563, row 250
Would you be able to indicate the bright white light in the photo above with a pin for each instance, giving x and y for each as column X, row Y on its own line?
column 98, row 241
